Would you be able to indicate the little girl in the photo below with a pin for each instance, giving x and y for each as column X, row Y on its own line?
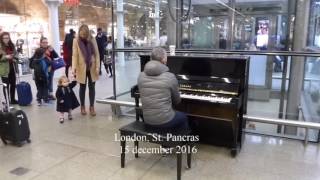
column 66, row 99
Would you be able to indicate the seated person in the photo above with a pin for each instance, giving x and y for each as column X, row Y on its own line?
column 159, row 91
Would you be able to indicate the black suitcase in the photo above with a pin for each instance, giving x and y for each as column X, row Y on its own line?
column 14, row 126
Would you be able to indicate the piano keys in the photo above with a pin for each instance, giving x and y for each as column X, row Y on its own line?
column 214, row 96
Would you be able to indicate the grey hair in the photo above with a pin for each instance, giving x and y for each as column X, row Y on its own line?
column 158, row 54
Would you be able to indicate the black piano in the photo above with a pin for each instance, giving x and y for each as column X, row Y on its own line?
column 214, row 95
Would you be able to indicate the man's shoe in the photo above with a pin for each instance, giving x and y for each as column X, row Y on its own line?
column 14, row 102
column 51, row 97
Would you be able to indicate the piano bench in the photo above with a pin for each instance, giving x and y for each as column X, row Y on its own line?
column 137, row 130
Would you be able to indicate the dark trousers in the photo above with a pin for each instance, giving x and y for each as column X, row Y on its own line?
column 180, row 120
column 50, row 81
column 101, row 60
column 67, row 69
column 92, row 91
column 108, row 68
column 11, row 83
column 42, row 91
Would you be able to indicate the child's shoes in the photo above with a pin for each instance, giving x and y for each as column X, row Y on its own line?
column 61, row 120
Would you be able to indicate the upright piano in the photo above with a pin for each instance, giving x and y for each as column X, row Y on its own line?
column 214, row 92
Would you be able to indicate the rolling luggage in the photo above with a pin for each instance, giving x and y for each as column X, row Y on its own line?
column 14, row 126
column 24, row 93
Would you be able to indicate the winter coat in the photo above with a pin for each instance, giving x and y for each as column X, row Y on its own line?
column 79, row 64
column 158, row 91
column 66, row 99
column 41, row 70
column 4, row 62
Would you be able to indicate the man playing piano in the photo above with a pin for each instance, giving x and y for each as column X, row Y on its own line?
column 159, row 92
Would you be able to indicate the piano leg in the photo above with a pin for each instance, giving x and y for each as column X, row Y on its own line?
column 179, row 164
column 234, row 152
column 123, row 153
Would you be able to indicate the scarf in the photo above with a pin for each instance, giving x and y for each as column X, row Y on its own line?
column 9, row 50
column 87, row 50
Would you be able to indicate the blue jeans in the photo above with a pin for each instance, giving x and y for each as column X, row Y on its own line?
column 180, row 120
column 50, row 81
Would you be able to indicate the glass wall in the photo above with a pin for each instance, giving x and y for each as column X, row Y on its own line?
column 314, row 24
column 256, row 26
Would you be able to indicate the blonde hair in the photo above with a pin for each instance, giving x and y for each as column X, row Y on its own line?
column 61, row 80
column 84, row 28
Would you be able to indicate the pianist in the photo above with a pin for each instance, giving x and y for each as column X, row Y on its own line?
column 159, row 91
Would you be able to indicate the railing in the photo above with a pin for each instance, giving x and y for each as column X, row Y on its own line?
column 241, row 52
column 301, row 124
column 283, row 77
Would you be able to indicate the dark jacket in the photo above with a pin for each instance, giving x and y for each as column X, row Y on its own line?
column 41, row 70
column 67, row 49
column 66, row 99
column 50, row 56
column 158, row 91
column 101, row 42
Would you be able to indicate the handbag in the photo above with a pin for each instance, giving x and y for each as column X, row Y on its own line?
column 107, row 59
column 58, row 63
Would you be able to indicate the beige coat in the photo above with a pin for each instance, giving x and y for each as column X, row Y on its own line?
column 79, row 64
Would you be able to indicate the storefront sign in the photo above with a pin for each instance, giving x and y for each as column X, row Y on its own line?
column 72, row 2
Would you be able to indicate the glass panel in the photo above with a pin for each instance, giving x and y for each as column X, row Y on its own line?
column 314, row 24
column 310, row 98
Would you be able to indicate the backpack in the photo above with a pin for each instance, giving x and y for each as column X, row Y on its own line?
column 39, row 72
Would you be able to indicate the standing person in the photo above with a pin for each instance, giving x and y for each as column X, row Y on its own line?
column 67, row 50
column 86, row 66
column 51, row 54
column 8, row 57
column 108, row 58
column 41, row 64
column 159, row 90
column 163, row 39
column 66, row 99
column 101, row 42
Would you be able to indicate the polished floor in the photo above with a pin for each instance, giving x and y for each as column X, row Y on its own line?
column 85, row 148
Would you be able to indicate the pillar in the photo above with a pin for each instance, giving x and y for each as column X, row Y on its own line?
column 171, row 24
column 157, row 21
column 54, row 37
column 120, row 31
column 297, row 63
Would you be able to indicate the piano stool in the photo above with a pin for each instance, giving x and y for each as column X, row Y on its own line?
column 138, row 128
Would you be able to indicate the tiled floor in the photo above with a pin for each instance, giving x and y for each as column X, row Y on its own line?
column 85, row 148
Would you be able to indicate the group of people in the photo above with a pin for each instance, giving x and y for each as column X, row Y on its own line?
column 158, row 87
column 81, row 54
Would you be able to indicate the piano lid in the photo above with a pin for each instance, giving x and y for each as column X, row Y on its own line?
column 213, row 67
column 232, row 67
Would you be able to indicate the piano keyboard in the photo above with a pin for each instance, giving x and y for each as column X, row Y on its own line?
column 206, row 98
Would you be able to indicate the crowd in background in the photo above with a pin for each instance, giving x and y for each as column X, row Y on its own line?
column 83, row 57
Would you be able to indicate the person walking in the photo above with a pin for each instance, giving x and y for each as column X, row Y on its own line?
column 67, row 50
column 86, row 66
column 101, row 42
column 108, row 57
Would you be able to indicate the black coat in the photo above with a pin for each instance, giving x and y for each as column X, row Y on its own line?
column 66, row 94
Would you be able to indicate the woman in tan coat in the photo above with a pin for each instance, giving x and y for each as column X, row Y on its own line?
column 86, row 65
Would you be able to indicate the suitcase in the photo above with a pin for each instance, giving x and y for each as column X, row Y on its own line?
column 14, row 126
column 24, row 93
